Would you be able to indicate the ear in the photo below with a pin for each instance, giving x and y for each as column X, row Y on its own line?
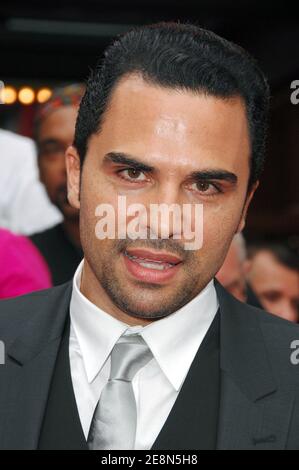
column 245, row 208
column 73, row 169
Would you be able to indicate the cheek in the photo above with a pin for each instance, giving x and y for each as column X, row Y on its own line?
column 219, row 223
column 219, row 226
column 91, row 197
column 51, row 174
column 43, row 173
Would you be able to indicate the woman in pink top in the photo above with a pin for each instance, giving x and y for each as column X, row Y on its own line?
column 22, row 269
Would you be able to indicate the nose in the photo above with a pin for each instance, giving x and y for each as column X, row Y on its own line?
column 165, row 212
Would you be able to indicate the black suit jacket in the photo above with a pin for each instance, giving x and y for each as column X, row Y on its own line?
column 259, row 384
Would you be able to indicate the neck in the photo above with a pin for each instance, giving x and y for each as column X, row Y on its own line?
column 93, row 291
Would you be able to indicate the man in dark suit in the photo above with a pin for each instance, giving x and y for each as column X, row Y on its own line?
column 145, row 349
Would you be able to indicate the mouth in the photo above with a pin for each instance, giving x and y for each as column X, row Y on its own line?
column 150, row 266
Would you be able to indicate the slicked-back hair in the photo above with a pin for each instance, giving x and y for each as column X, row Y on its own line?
column 183, row 57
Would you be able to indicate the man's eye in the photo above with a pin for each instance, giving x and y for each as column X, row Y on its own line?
column 272, row 296
column 205, row 187
column 130, row 174
column 51, row 150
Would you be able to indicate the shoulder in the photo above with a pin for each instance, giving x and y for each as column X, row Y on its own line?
column 17, row 311
column 11, row 242
column 248, row 315
column 18, row 149
column 282, row 340
column 17, row 253
column 267, row 321
column 277, row 336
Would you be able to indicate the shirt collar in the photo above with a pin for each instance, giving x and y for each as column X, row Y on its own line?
column 173, row 340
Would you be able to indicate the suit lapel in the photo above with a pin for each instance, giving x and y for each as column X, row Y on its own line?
column 192, row 422
column 26, row 375
column 254, row 412
column 246, row 424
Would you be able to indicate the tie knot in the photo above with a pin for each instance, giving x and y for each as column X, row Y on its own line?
column 129, row 354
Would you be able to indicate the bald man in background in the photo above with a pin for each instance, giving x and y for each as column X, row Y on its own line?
column 232, row 274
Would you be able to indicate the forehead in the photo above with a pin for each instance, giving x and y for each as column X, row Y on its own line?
column 150, row 119
column 60, row 123
column 271, row 273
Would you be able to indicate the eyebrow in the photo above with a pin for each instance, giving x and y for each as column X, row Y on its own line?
column 201, row 175
column 214, row 175
column 47, row 140
column 118, row 157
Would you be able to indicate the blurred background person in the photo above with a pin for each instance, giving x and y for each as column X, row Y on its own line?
column 24, row 205
column 273, row 273
column 54, row 132
column 232, row 274
column 23, row 269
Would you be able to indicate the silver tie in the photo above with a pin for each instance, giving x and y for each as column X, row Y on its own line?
column 113, row 425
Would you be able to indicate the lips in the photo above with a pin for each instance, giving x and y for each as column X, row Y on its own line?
column 151, row 267
column 139, row 253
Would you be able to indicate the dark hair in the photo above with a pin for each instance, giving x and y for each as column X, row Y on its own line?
column 281, row 251
column 182, row 56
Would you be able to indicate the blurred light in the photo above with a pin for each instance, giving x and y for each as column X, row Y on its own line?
column 1, row 92
column 9, row 95
column 43, row 95
column 26, row 95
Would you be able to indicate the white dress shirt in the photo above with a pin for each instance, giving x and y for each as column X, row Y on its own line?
column 24, row 204
column 173, row 340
